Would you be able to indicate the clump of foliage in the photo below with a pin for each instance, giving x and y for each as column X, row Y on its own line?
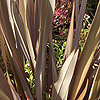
column 61, row 20
column 59, row 52
column 30, row 77
column 25, row 30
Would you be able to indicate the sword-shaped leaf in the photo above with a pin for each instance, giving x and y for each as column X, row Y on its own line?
column 79, row 23
column 52, row 70
column 76, row 10
column 61, row 87
column 81, row 97
column 46, row 15
column 87, row 54
column 9, row 38
column 69, row 44
column 5, row 91
column 95, row 89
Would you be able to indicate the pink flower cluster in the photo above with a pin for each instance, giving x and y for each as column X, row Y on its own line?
column 62, row 15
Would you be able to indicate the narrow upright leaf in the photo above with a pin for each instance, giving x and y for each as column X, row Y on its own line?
column 52, row 70
column 61, row 87
column 81, row 97
column 45, row 27
column 4, row 88
column 95, row 89
column 9, row 38
column 3, row 96
column 68, row 48
column 87, row 55
column 79, row 23
column 76, row 10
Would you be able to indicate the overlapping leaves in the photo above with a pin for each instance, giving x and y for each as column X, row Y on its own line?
column 25, row 29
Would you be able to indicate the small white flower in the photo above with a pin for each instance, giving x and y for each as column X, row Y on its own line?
column 66, row 11
column 62, row 6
